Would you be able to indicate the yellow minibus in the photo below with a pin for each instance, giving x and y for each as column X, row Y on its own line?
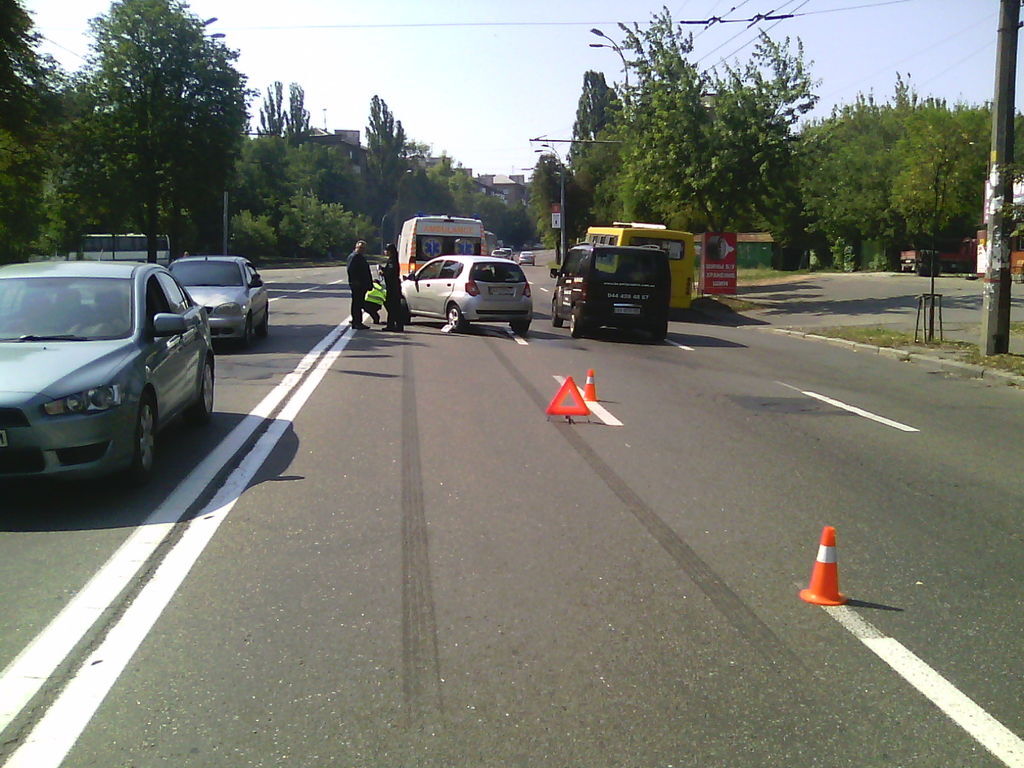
column 678, row 245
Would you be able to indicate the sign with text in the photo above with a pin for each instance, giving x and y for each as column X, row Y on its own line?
column 718, row 263
column 556, row 216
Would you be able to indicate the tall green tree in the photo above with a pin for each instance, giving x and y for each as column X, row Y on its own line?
column 596, row 109
column 28, row 113
column 296, row 120
column 385, row 156
column 272, row 115
column 169, row 107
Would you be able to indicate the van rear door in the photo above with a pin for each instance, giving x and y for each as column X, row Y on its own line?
column 629, row 284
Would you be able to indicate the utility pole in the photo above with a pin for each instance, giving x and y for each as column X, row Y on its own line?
column 995, row 320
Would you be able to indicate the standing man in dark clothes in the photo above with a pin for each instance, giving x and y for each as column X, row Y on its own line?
column 359, row 281
column 393, row 288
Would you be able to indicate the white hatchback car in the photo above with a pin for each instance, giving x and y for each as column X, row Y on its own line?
column 465, row 289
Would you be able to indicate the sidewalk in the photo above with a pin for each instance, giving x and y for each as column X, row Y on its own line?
column 877, row 299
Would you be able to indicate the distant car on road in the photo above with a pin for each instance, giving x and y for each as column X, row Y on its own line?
column 465, row 289
column 502, row 253
column 95, row 359
column 232, row 291
column 526, row 257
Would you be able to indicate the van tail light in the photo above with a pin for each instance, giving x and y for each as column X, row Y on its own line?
column 526, row 290
column 583, row 291
column 471, row 288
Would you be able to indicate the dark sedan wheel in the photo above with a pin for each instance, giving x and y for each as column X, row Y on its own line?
column 575, row 324
column 264, row 327
column 556, row 321
column 141, row 468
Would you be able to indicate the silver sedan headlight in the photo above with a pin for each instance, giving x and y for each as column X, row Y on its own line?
column 89, row 401
column 232, row 308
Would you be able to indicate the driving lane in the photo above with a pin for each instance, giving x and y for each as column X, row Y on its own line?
column 428, row 571
column 56, row 536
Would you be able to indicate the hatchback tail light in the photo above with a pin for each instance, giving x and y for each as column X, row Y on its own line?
column 526, row 290
column 471, row 288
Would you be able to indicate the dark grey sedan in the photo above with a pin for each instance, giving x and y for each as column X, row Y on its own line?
column 96, row 358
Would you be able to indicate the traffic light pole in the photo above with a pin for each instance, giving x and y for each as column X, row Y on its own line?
column 995, row 321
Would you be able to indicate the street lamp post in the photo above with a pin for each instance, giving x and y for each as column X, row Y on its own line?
column 394, row 207
column 561, row 196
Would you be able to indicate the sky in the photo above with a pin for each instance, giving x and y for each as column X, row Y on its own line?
column 478, row 79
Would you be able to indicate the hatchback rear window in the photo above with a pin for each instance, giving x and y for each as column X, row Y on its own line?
column 497, row 272
column 621, row 266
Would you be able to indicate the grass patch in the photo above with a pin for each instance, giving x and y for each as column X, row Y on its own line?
column 720, row 303
column 962, row 350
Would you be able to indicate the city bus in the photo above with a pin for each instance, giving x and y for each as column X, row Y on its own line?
column 424, row 237
column 678, row 245
column 128, row 247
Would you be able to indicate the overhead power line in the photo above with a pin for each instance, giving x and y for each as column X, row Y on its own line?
column 756, row 18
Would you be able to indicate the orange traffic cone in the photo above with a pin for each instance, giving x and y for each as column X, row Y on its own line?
column 589, row 389
column 824, row 586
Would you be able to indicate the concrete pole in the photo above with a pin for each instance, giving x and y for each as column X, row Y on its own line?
column 225, row 224
column 995, row 320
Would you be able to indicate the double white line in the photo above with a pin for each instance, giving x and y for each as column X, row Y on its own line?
column 65, row 719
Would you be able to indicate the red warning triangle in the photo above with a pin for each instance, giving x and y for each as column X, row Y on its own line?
column 558, row 406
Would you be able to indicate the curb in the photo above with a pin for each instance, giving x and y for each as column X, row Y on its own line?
column 952, row 367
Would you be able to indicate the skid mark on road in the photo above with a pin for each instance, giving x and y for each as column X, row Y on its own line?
column 758, row 634
column 421, row 682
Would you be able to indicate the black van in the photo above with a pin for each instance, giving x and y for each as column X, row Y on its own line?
column 621, row 286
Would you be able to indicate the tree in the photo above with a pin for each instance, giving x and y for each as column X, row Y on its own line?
column 318, row 228
column 596, row 109
column 296, row 121
column 709, row 151
column 27, row 117
column 168, row 111
column 385, row 156
column 272, row 117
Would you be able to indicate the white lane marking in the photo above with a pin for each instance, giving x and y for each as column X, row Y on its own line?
column 55, row 734
column 304, row 290
column 546, row 290
column 31, row 668
column 681, row 346
column 596, row 408
column 518, row 339
column 985, row 729
column 853, row 409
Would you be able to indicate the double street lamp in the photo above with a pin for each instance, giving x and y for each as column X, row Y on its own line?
column 615, row 47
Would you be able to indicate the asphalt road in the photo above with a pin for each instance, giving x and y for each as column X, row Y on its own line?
column 396, row 559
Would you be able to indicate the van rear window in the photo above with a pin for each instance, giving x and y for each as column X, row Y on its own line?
column 622, row 266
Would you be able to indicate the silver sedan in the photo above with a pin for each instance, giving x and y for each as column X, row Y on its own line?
column 232, row 291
